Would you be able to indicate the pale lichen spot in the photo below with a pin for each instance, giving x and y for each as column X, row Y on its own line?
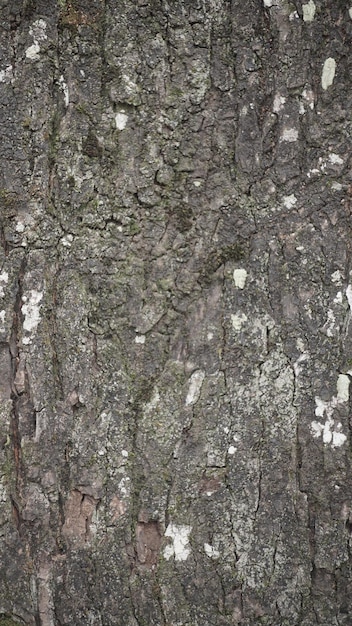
column 6, row 74
column 2, row 319
column 349, row 296
column 330, row 431
column 195, row 386
column 180, row 548
column 308, row 11
column 31, row 312
column 278, row 103
column 64, row 89
column 338, row 298
column 350, row 12
column 140, row 339
column 289, row 134
column 121, row 120
column 240, row 277
column 33, row 51
column 124, row 453
column 231, row 450
column 335, row 159
column 210, row 335
column 197, row 183
column 211, row 552
column 336, row 277
column 237, row 320
column 4, row 277
column 343, row 385
column 289, row 201
column 328, row 74
column 67, row 240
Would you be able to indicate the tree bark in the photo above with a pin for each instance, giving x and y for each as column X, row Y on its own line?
column 175, row 316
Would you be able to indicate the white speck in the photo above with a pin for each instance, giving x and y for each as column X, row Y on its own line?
column 328, row 74
column 211, row 552
column 180, row 547
column 38, row 30
column 289, row 134
column 226, row 430
column 331, row 432
column 289, row 201
column 33, row 51
column 232, row 450
column 338, row 438
column 195, row 386
column 210, row 336
column 338, row 298
column 197, row 183
column 308, row 95
column 278, row 103
column 2, row 319
column 350, row 12
column 140, row 339
column 268, row 3
column 238, row 321
column 121, row 120
column 124, row 453
column 124, row 486
column 329, row 325
column 336, row 277
column 349, row 296
column 31, row 311
column 335, row 159
column 67, row 240
column 336, row 186
column 64, row 87
column 6, row 74
column 317, row 429
column 240, row 277
column 4, row 277
column 343, row 384
column 308, row 11
column 301, row 108
column 293, row 16
column 102, row 452
column 19, row 228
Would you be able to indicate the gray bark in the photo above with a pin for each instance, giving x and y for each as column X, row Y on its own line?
column 175, row 316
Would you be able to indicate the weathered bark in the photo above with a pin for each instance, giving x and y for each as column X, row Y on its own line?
column 175, row 350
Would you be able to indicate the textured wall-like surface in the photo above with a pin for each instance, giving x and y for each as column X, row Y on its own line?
column 175, row 320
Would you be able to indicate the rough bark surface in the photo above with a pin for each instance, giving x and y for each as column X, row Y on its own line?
column 175, row 320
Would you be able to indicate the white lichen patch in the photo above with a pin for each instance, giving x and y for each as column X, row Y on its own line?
column 335, row 159
column 31, row 312
column 308, row 11
column 349, row 296
column 289, row 201
column 4, row 277
column 33, row 52
column 338, row 298
column 331, row 431
column 308, row 96
column 2, row 320
column 240, row 277
column 289, row 134
column 140, row 339
column 278, row 103
column 121, row 120
column 6, row 74
column 38, row 32
column 328, row 74
column 195, row 386
column 343, row 385
column 237, row 320
column 211, row 552
column 67, row 240
column 231, row 450
column 336, row 277
column 350, row 12
column 329, row 326
column 124, row 453
column 64, row 89
column 180, row 548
